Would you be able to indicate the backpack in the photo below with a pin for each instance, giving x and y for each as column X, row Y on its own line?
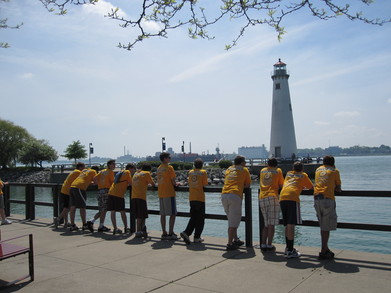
column 118, row 177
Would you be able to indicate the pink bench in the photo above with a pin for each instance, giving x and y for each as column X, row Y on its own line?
column 8, row 250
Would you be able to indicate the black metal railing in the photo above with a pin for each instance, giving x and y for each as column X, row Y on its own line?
column 344, row 193
column 30, row 204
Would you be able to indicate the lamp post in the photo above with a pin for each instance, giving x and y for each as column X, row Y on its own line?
column 90, row 151
column 183, row 151
column 163, row 144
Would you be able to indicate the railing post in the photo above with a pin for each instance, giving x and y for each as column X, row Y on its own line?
column 30, row 198
column 7, row 205
column 56, row 194
column 132, row 217
column 248, row 216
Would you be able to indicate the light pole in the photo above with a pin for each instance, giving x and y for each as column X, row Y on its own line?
column 183, row 151
column 90, row 151
column 163, row 144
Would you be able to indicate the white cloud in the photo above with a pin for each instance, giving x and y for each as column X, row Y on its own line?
column 347, row 114
column 389, row 101
column 27, row 75
column 322, row 123
column 102, row 8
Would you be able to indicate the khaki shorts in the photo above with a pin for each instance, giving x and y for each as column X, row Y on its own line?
column 167, row 206
column 326, row 213
column 232, row 204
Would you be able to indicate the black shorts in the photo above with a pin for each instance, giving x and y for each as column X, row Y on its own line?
column 139, row 208
column 115, row 203
column 290, row 212
column 78, row 198
column 64, row 200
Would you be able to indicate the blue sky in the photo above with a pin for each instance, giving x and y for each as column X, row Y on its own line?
column 64, row 79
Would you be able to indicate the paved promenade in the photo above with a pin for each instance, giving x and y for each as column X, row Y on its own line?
column 84, row 262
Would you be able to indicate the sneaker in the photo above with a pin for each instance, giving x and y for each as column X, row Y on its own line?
column 185, row 237
column 90, row 226
column 270, row 248
column 172, row 236
column 231, row 247
column 56, row 222
column 292, row 254
column 117, row 231
column 263, row 247
column 103, row 229
column 85, row 227
column 6, row 222
column 327, row 255
column 238, row 242
column 164, row 236
column 127, row 230
column 73, row 228
column 139, row 234
column 67, row 225
column 198, row 240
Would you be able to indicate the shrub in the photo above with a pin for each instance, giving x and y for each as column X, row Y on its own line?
column 224, row 164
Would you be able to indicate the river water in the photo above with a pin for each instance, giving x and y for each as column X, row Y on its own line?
column 357, row 173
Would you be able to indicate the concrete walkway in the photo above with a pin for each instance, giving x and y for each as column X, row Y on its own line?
column 84, row 262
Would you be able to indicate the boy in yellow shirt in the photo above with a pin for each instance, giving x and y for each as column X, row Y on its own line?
column 294, row 183
column 103, row 179
column 140, row 181
column 198, row 178
column 65, row 194
column 237, row 177
column 327, row 182
column 167, row 196
column 78, row 197
column 116, row 199
column 271, row 180
column 4, row 220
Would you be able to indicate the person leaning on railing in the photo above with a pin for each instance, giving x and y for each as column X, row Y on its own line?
column 327, row 181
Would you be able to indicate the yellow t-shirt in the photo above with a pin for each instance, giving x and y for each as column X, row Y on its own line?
column 165, row 173
column 141, row 179
column 84, row 180
column 66, row 186
column 105, row 178
column 294, row 184
column 198, row 178
column 119, row 189
column 235, row 179
column 270, row 181
column 326, row 179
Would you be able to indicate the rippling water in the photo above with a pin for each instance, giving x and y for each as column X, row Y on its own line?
column 357, row 173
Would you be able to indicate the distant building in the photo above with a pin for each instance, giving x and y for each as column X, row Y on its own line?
column 253, row 152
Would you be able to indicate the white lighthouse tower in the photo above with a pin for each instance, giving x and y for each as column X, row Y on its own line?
column 282, row 136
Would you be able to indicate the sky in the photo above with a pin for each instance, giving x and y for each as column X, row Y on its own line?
column 64, row 79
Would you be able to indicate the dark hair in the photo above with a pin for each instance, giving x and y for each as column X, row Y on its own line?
column 146, row 167
column 164, row 155
column 96, row 168
column 297, row 166
column 239, row 160
column 130, row 166
column 198, row 163
column 272, row 162
column 109, row 162
column 80, row 165
column 329, row 160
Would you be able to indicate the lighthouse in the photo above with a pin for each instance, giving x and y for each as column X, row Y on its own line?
column 282, row 135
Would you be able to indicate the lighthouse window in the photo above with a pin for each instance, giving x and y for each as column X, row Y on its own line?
column 277, row 86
